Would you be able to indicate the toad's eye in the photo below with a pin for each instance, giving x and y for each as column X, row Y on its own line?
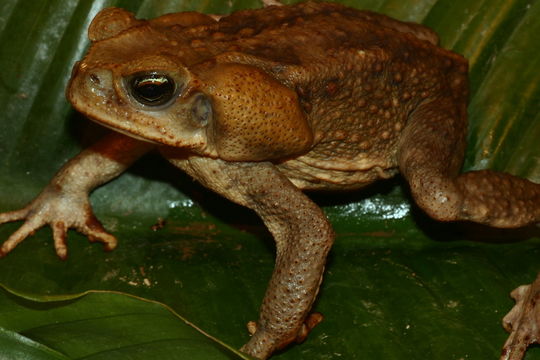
column 151, row 89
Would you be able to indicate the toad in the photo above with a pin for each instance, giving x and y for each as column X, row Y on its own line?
column 262, row 104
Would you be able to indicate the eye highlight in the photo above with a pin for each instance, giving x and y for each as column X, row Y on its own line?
column 151, row 89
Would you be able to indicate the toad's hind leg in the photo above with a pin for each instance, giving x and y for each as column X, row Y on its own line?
column 430, row 155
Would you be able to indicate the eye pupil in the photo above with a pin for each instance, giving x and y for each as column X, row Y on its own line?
column 152, row 89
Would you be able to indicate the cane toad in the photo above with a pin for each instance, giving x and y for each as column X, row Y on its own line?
column 262, row 104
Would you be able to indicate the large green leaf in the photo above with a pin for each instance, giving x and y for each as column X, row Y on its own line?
column 73, row 325
column 398, row 285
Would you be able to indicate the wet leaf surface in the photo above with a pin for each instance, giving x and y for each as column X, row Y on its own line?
column 398, row 285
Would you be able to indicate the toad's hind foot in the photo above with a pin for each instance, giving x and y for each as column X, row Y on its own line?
column 523, row 321
column 309, row 323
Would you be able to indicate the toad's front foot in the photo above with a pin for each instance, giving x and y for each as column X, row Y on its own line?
column 523, row 321
column 263, row 342
column 61, row 211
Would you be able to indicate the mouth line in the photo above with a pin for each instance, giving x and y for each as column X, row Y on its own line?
column 122, row 131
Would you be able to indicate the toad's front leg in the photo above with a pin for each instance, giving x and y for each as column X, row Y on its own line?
column 303, row 238
column 64, row 202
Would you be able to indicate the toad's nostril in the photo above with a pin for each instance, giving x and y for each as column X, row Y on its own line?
column 98, row 80
column 95, row 79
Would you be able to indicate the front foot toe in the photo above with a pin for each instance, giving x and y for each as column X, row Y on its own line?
column 59, row 236
column 97, row 233
column 26, row 230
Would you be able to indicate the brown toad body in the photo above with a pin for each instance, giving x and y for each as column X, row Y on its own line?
column 262, row 104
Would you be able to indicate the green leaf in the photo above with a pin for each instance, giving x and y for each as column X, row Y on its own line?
column 15, row 346
column 100, row 325
column 398, row 285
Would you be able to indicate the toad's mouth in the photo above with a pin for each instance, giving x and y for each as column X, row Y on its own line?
column 127, row 122
column 123, row 131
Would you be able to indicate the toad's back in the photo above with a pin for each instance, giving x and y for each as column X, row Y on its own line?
column 358, row 75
